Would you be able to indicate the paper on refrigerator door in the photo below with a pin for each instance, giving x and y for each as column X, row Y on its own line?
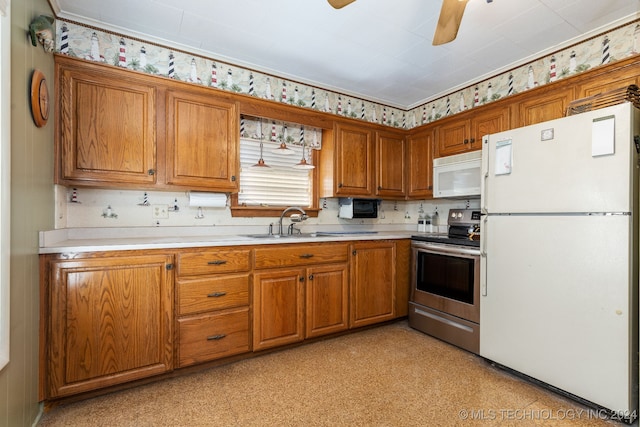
column 503, row 157
column 603, row 136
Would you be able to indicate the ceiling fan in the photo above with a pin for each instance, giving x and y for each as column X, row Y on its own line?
column 448, row 22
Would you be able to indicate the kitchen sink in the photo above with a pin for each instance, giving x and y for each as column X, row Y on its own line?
column 284, row 236
column 344, row 233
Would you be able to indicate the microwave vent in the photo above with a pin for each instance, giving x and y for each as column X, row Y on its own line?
column 458, row 158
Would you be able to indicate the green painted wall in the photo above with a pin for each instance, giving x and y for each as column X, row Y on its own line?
column 32, row 210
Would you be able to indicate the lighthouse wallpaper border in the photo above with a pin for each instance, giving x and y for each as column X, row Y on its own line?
column 92, row 44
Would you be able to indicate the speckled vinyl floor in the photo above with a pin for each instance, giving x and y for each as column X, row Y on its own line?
column 387, row 376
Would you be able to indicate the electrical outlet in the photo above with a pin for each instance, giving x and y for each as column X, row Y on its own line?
column 160, row 211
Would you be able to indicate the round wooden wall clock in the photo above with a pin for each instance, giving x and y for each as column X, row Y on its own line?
column 39, row 98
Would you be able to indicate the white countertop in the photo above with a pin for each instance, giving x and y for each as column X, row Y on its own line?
column 115, row 239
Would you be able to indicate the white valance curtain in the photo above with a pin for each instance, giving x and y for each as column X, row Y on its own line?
column 4, row 4
column 277, row 131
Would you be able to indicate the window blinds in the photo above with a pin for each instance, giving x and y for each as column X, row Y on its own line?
column 278, row 185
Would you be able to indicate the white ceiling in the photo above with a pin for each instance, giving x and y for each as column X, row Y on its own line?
column 379, row 50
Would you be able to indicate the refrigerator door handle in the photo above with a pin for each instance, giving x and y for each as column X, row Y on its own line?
column 483, row 258
column 485, row 173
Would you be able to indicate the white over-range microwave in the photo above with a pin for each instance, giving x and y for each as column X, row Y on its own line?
column 458, row 176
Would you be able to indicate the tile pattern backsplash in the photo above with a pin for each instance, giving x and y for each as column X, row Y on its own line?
column 101, row 208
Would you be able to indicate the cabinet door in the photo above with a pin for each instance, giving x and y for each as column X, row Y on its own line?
column 111, row 322
column 327, row 300
column 373, row 283
column 202, row 141
column 487, row 122
column 602, row 84
column 278, row 306
column 390, row 165
column 453, row 138
column 354, row 158
column 107, row 132
column 420, row 161
column 548, row 106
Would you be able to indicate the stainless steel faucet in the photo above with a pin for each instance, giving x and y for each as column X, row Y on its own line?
column 296, row 218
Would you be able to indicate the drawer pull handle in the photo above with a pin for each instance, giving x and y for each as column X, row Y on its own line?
column 216, row 294
column 217, row 262
column 216, row 337
column 307, row 256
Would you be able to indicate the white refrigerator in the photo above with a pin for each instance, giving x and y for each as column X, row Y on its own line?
column 559, row 246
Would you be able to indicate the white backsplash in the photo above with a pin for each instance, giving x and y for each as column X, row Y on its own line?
column 90, row 210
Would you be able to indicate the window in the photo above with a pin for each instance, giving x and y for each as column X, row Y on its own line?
column 283, row 149
column 276, row 184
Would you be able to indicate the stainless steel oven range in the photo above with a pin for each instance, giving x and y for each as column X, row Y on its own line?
column 445, row 275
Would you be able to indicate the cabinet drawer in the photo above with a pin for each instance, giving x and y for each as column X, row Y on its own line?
column 213, row 261
column 212, row 293
column 212, row 336
column 293, row 255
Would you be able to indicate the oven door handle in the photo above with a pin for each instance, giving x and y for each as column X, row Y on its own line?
column 446, row 249
column 483, row 257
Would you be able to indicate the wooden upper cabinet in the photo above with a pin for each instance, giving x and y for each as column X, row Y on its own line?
column 354, row 160
column 106, row 126
column 453, row 137
column 489, row 121
column 420, row 161
column 464, row 132
column 612, row 80
column 202, row 141
column 549, row 105
column 390, row 165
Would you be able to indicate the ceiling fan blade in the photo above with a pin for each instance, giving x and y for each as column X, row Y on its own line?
column 339, row 4
column 449, row 21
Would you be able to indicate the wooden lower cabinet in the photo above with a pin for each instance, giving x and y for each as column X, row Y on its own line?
column 278, row 307
column 293, row 304
column 327, row 300
column 299, row 291
column 109, row 321
column 373, row 282
column 109, row 318
column 212, row 304
column 213, row 335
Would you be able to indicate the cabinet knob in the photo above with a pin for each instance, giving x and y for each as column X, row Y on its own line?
column 340, row 185
column 354, row 252
column 311, row 277
column 472, row 140
column 301, row 279
column 151, row 171
column 466, row 141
